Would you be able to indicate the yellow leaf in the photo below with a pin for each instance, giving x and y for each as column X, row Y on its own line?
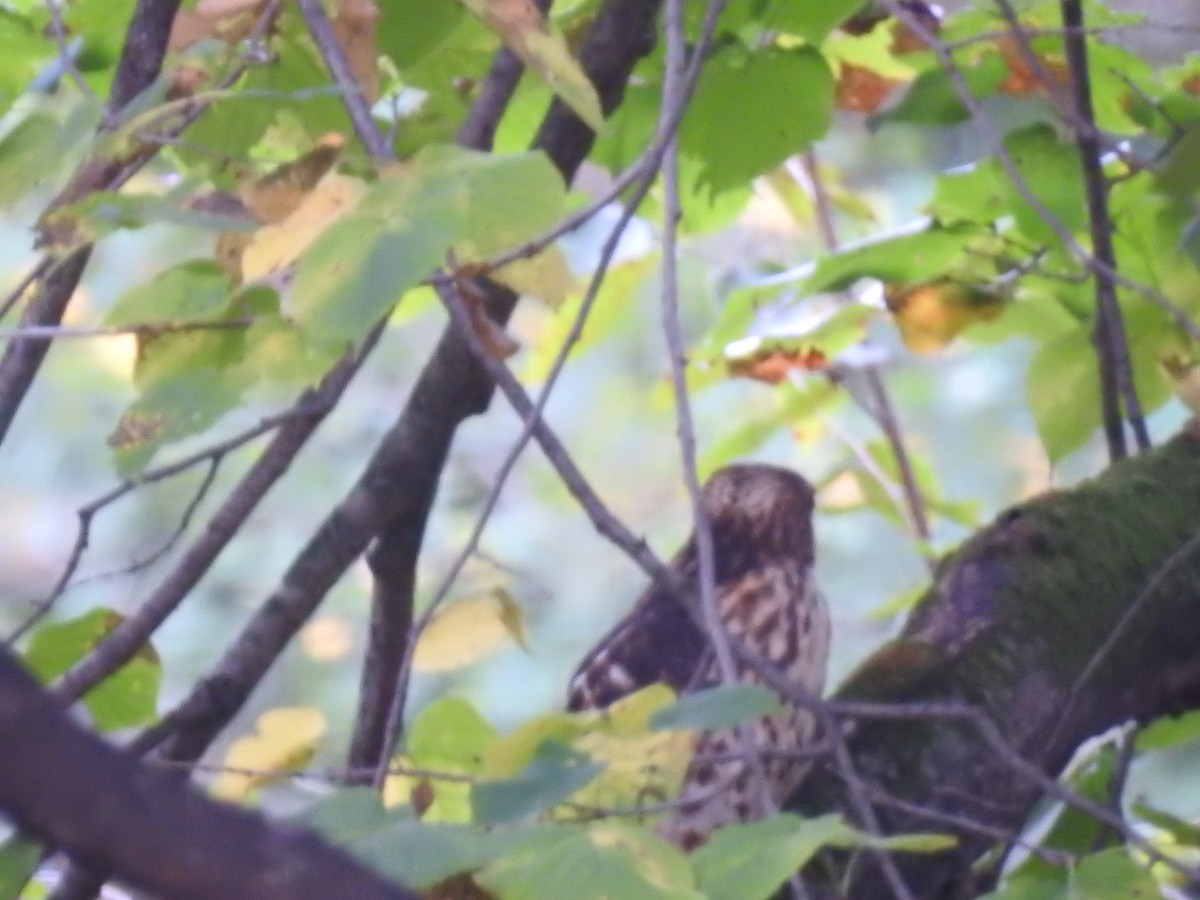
column 643, row 767
column 284, row 739
column 639, row 771
column 275, row 246
column 545, row 276
column 656, row 859
column 1184, row 375
column 276, row 195
column 466, row 631
column 508, row 755
column 521, row 26
column 931, row 315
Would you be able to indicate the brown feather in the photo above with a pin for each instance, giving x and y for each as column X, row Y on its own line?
column 761, row 521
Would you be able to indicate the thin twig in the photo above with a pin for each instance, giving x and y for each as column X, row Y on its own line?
column 120, row 644
column 57, row 332
column 1109, row 335
column 1120, row 630
column 881, row 409
column 995, row 144
column 165, row 547
column 30, row 278
column 86, row 513
column 604, row 521
column 58, row 32
column 353, row 98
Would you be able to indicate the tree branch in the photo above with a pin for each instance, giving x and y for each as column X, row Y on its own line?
column 1065, row 617
column 71, row 789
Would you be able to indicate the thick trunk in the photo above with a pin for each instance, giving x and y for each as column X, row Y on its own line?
column 1068, row 615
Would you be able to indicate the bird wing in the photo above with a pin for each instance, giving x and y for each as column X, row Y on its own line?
column 658, row 641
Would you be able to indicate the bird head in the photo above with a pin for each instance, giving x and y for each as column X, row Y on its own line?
column 758, row 510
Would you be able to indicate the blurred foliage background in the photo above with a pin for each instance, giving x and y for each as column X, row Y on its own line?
column 963, row 408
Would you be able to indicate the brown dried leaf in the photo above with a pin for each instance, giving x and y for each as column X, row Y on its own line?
column 1022, row 80
column 421, row 797
column 772, row 364
column 523, row 29
column 135, row 428
column 861, row 90
column 498, row 343
column 225, row 20
column 354, row 27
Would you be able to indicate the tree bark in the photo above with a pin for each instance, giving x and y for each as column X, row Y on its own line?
column 111, row 812
column 1068, row 615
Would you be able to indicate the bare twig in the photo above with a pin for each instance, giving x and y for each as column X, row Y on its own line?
column 181, row 527
column 31, row 277
column 120, row 644
column 58, row 332
column 1109, row 336
column 881, row 409
column 58, row 32
column 213, row 455
column 995, row 143
column 604, row 521
column 1120, row 631
column 353, row 99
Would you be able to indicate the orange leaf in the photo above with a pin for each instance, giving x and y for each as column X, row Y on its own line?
column 772, row 364
column 498, row 343
column 931, row 315
column 1022, row 80
column 860, row 90
column 908, row 41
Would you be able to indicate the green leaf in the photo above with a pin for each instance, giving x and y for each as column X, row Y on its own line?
column 23, row 155
column 294, row 89
column 476, row 203
column 905, row 258
column 1072, row 831
column 1183, row 832
column 1050, row 169
column 19, row 859
column 1026, row 886
column 28, row 52
column 554, row 774
column 1063, row 391
column 172, row 407
column 795, row 406
column 123, row 700
column 449, row 731
column 542, row 48
column 932, row 98
column 358, row 268
column 355, row 820
column 719, row 707
column 1170, row 731
column 752, row 860
column 812, row 21
column 1112, row 875
column 750, row 114
column 409, row 32
column 189, row 292
column 608, row 860
column 972, row 195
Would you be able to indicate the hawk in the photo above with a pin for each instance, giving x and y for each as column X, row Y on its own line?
column 761, row 521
